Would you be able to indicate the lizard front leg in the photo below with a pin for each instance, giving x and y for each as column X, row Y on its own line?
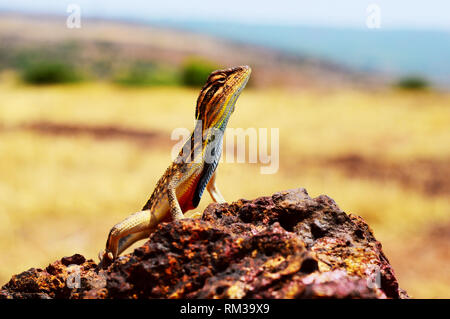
column 214, row 191
column 175, row 209
column 175, row 181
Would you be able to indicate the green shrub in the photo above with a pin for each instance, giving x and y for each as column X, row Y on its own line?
column 46, row 72
column 148, row 75
column 195, row 72
column 413, row 83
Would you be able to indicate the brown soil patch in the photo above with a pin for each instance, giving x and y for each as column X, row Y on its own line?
column 426, row 175
column 108, row 132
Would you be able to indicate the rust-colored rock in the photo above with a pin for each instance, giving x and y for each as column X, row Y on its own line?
column 287, row 245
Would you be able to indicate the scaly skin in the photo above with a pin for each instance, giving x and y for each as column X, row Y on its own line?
column 183, row 183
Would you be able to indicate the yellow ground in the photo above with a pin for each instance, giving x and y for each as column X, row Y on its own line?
column 61, row 194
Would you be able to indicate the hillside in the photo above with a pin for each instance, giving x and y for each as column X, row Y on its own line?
column 109, row 46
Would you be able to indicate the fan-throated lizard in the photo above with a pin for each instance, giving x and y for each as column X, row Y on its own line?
column 183, row 183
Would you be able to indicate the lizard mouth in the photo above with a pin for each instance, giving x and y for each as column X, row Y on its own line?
column 243, row 74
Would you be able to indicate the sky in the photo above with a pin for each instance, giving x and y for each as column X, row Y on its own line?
column 395, row 14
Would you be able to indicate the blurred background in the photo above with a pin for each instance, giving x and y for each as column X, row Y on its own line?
column 90, row 92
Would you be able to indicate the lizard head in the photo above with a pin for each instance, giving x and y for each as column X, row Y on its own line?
column 218, row 96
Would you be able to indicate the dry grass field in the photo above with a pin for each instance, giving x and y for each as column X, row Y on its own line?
column 76, row 159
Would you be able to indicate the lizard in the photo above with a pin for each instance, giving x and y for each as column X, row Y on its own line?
column 184, row 181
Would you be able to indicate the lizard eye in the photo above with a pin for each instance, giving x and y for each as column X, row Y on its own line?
column 216, row 77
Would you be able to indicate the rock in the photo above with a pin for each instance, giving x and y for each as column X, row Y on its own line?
column 287, row 245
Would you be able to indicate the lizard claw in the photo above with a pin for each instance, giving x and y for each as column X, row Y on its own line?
column 106, row 258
